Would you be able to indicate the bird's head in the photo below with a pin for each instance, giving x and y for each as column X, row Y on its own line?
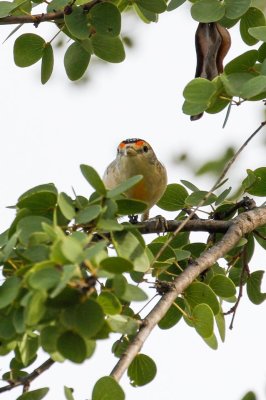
column 135, row 148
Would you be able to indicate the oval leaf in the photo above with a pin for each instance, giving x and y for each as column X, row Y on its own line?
column 173, row 198
column 106, row 388
column 106, row 19
column 28, row 49
column 142, row 370
column 107, row 48
column 203, row 320
column 222, row 286
column 76, row 22
column 76, row 61
column 72, row 346
column 93, row 178
column 47, row 63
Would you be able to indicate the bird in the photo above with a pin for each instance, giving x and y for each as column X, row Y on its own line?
column 136, row 157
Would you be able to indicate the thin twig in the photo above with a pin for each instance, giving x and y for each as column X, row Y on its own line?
column 26, row 380
column 36, row 19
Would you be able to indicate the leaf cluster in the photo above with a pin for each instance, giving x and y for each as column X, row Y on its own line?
column 73, row 273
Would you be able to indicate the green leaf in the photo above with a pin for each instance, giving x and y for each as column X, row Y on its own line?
column 76, row 61
column 191, row 108
column 5, row 8
column 116, row 265
column 198, row 293
column 40, row 199
column 254, row 287
column 223, row 196
column 242, row 63
column 86, row 318
column 145, row 15
column 76, row 22
column 142, row 370
column 258, row 32
column 195, row 198
column 37, row 394
column 190, row 185
column 211, row 341
column 49, row 336
column 93, row 178
column 88, row 214
column 7, row 328
column 130, row 206
column 28, row 49
column 199, row 90
column 173, row 315
column 124, row 186
column 72, row 249
column 236, row 8
column 106, row 19
column 44, row 276
column 173, row 198
column 173, row 4
column 109, row 225
column 94, row 249
column 128, row 246
column 123, row 324
column 68, row 393
column 30, row 225
column 207, row 10
column 254, row 87
column 28, row 348
column 220, row 322
column 181, row 254
column 108, row 48
column 258, row 188
column 157, row 6
column 109, row 303
column 9, row 291
column 249, row 396
column 47, row 63
column 72, row 346
column 133, row 293
column 35, row 308
column 203, row 320
column 106, row 388
column 253, row 17
column 222, row 286
column 66, row 205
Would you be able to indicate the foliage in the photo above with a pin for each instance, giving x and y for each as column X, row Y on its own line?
column 94, row 29
column 73, row 272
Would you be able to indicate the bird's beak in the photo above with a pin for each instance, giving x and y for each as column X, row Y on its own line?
column 130, row 151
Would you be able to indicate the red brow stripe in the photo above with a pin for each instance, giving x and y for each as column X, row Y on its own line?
column 134, row 140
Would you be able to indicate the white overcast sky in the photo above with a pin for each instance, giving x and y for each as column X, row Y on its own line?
column 48, row 131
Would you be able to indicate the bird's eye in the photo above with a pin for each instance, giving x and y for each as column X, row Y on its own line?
column 145, row 149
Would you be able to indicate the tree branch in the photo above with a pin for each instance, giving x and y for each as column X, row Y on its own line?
column 194, row 225
column 29, row 378
column 243, row 224
column 36, row 19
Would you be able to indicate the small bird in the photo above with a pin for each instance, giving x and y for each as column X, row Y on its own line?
column 136, row 157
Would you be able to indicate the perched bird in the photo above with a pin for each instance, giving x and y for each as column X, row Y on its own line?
column 136, row 157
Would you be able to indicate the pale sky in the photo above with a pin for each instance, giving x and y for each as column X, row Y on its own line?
column 48, row 131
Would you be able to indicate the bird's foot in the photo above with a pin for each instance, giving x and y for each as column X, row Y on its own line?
column 133, row 219
column 161, row 225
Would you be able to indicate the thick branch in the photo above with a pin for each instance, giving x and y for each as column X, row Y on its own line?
column 38, row 18
column 243, row 224
column 194, row 225
column 29, row 378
